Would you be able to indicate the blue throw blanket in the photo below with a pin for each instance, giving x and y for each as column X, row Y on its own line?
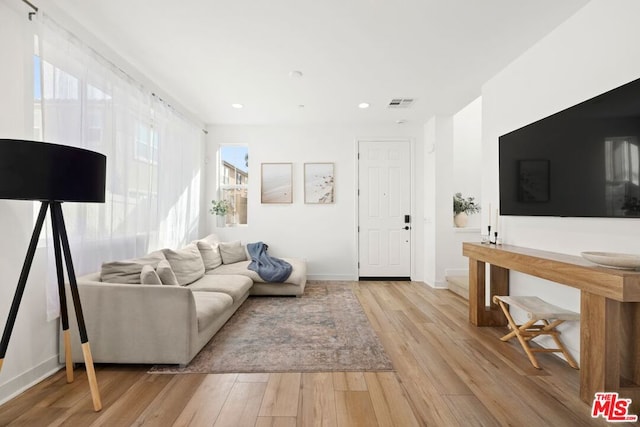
column 270, row 269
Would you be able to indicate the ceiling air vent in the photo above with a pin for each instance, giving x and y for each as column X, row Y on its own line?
column 401, row 102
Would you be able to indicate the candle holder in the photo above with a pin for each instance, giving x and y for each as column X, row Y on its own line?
column 496, row 241
column 487, row 239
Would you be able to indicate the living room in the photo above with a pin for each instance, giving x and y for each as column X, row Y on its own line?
column 587, row 52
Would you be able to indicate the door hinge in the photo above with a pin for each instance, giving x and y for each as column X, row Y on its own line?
column 358, row 229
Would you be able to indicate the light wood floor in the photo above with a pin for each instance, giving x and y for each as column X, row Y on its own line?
column 448, row 373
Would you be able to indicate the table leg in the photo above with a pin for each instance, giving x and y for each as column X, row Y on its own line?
column 599, row 345
column 479, row 313
column 609, row 348
column 476, row 291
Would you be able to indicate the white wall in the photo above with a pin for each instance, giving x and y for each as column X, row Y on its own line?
column 467, row 155
column 33, row 352
column 592, row 52
column 429, row 202
column 467, row 174
column 438, row 203
column 452, row 164
column 323, row 234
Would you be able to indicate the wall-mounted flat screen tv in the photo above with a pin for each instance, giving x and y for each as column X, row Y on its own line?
column 581, row 162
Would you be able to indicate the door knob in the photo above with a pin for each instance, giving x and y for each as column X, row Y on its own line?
column 406, row 227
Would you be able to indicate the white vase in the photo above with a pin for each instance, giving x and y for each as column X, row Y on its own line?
column 460, row 220
column 221, row 221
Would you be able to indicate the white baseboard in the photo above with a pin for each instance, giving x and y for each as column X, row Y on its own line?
column 438, row 284
column 28, row 379
column 441, row 284
column 341, row 277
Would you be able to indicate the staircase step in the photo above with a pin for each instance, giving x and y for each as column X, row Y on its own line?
column 459, row 285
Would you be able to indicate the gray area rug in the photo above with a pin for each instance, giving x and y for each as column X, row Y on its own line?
column 326, row 329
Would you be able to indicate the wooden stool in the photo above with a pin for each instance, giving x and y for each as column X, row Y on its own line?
column 537, row 310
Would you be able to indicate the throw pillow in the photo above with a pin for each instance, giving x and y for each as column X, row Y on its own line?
column 166, row 274
column 128, row 271
column 232, row 252
column 186, row 263
column 149, row 276
column 211, row 239
column 210, row 255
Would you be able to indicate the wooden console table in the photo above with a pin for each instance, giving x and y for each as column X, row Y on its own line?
column 609, row 310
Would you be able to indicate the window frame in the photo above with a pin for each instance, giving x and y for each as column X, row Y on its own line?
column 225, row 176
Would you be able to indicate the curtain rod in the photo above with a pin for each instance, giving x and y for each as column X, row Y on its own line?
column 112, row 64
column 32, row 6
column 206, row 132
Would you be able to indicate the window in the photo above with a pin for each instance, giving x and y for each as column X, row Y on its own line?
column 152, row 195
column 234, row 180
column 146, row 144
column 225, row 176
column 153, row 154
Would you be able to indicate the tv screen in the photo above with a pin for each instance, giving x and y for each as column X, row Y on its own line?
column 581, row 162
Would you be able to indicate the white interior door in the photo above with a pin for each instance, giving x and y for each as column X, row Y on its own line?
column 384, row 208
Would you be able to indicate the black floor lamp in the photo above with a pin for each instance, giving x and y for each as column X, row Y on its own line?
column 52, row 174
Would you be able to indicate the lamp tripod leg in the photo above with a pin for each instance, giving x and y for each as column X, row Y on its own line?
column 22, row 281
column 56, row 210
column 64, row 314
column 91, row 375
column 68, row 359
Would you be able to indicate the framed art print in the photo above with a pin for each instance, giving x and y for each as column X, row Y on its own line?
column 276, row 183
column 319, row 183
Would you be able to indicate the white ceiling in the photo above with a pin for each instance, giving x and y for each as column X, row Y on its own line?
column 208, row 54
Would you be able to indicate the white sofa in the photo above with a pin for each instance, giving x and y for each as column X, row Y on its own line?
column 129, row 320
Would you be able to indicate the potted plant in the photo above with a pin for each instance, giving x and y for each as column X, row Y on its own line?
column 462, row 207
column 220, row 208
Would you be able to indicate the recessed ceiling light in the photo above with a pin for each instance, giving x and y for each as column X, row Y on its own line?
column 363, row 105
column 295, row 74
column 238, row 106
column 300, row 105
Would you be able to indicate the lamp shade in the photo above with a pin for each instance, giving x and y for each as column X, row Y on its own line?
column 31, row 170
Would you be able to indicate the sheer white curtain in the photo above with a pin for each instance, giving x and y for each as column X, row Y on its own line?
column 153, row 154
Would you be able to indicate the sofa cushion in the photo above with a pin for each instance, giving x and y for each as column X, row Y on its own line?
column 210, row 254
column 186, row 263
column 232, row 285
column 148, row 276
column 209, row 307
column 211, row 239
column 166, row 274
column 232, row 252
column 128, row 271
column 298, row 274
